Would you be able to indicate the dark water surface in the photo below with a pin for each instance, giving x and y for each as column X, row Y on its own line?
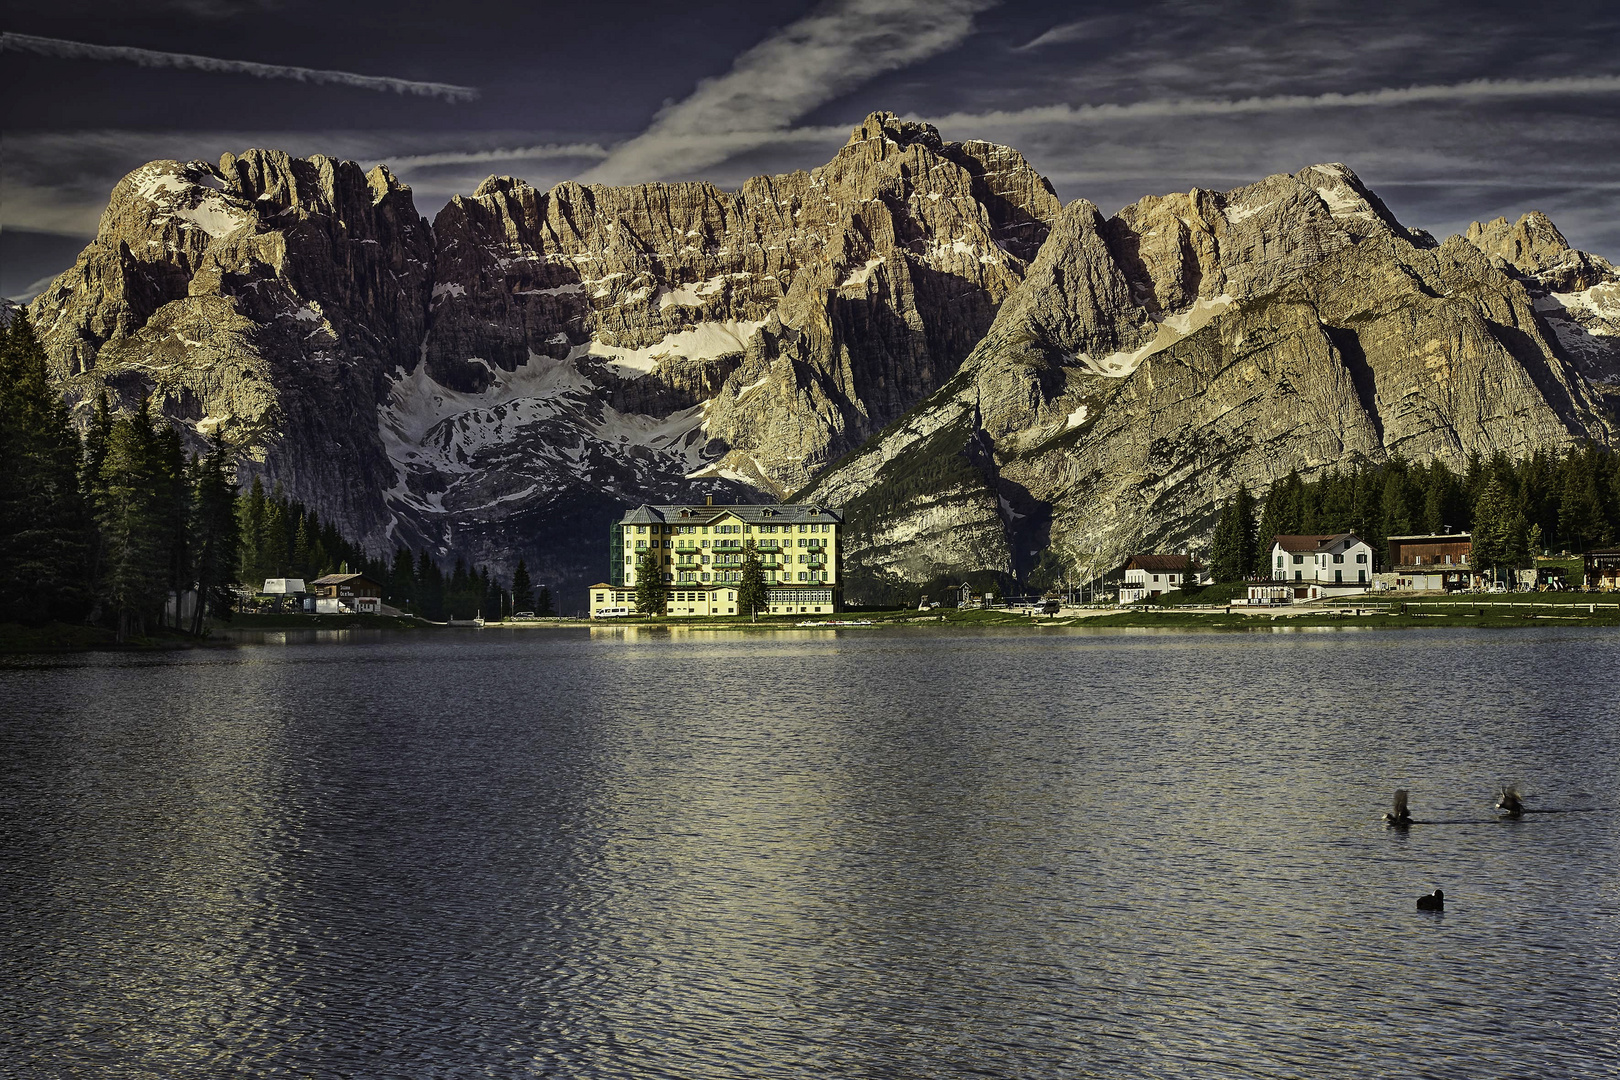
column 855, row 853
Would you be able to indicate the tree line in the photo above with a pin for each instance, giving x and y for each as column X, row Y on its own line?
column 104, row 527
column 1515, row 509
column 109, row 526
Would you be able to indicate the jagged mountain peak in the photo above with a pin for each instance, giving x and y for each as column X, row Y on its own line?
column 890, row 126
column 495, row 385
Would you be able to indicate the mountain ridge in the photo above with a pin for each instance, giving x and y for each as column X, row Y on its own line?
column 497, row 383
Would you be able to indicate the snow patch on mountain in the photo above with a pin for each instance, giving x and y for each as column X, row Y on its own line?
column 705, row 341
column 1171, row 330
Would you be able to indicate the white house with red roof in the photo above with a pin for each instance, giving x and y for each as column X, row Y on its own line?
column 1317, row 567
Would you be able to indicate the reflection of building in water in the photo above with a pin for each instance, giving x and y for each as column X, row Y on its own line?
column 700, row 553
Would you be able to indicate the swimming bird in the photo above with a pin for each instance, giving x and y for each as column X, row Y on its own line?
column 1508, row 799
column 1399, row 816
column 1437, row 902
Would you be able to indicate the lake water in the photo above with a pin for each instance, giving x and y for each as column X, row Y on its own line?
column 821, row 853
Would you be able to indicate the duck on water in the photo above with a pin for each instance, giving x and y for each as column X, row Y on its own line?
column 1399, row 816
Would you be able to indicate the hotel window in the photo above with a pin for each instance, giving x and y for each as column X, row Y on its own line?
column 1338, row 558
column 1298, row 559
column 1362, row 557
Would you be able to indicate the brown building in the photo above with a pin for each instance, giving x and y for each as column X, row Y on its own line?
column 1603, row 569
column 347, row 592
column 1427, row 552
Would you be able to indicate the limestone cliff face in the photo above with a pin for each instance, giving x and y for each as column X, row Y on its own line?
column 595, row 346
column 915, row 330
column 1578, row 294
column 501, row 383
column 265, row 298
column 1153, row 361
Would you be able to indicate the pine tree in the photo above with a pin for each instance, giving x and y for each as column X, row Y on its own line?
column 1234, row 551
column 252, row 531
column 751, row 595
column 302, row 554
column 174, row 480
column 652, row 595
column 275, row 542
column 522, row 588
column 542, row 602
column 402, row 581
column 1280, row 517
column 43, row 519
column 1493, row 528
column 216, row 531
column 130, row 515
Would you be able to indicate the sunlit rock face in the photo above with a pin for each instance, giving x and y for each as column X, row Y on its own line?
column 268, row 299
column 499, row 383
column 916, row 330
column 1153, row 361
column 1576, row 293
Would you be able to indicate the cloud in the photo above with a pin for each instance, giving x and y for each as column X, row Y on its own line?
column 520, row 153
column 1081, row 30
column 1167, row 108
column 77, row 50
column 836, row 48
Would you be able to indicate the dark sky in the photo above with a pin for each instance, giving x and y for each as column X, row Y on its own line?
column 1112, row 101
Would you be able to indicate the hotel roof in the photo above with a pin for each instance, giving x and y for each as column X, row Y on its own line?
column 753, row 513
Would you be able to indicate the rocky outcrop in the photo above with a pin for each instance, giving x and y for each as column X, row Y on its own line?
column 499, row 384
column 991, row 373
column 264, row 299
column 601, row 345
column 1153, row 361
column 1578, row 294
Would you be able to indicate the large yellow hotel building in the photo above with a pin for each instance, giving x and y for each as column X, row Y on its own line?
column 700, row 552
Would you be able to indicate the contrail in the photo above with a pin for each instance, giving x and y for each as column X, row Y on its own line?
column 516, row 153
column 834, row 49
column 78, row 50
column 1475, row 90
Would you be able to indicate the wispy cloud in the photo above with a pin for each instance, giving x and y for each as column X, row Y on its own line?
column 1167, row 108
column 833, row 50
column 78, row 50
column 1080, row 30
column 547, row 151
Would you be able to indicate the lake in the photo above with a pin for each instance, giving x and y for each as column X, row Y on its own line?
column 846, row 853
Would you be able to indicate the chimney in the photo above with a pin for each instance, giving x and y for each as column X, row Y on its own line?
column 708, row 500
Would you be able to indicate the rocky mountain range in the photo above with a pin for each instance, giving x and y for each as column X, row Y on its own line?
column 917, row 331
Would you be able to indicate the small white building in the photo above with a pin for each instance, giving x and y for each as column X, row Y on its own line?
column 284, row 586
column 1154, row 575
column 1319, row 567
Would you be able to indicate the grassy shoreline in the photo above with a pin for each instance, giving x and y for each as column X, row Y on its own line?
column 1549, row 609
column 58, row 637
